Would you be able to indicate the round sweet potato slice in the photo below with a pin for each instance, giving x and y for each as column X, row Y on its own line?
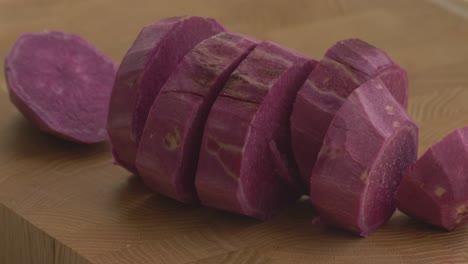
column 345, row 66
column 245, row 164
column 145, row 68
column 62, row 84
column 168, row 151
column 370, row 144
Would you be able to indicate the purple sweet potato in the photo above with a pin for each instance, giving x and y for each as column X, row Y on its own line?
column 245, row 164
column 369, row 145
column 344, row 67
column 168, row 151
column 62, row 84
column 145, row 68
column 435, row 188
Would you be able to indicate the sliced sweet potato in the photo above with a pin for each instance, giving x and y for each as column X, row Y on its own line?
column 62, row 84
column 145, row 68
column 368, row 146
column 344, row 67
column 168, row 151
column 245, row 164
column 434, row 189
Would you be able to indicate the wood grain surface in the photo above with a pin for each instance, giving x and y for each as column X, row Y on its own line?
column 66, row 203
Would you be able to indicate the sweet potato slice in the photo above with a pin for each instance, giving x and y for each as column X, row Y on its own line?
column 145, row 68
column 368, row 146
column 434, row 189
column 344, row 67
column 168, row 152
column 245, row 164
column 62, row 84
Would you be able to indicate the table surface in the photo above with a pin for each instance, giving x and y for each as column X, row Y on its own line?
column 67, row 203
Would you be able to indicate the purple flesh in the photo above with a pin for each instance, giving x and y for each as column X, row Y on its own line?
column 145, row 68
column 245, row 153
column 345, row 66
column 62, row 84
column 435, row 188
column 168, row 151
column 369, row 145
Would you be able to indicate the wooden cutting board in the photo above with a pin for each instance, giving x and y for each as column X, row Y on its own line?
column 67, row 203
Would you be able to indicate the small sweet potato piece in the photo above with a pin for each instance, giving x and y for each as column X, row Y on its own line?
column 145, row 68
column 369, row 145
column 245, row 164
column 62, row 84
column 168, row 151
column 345, row 66
column 434, row 189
